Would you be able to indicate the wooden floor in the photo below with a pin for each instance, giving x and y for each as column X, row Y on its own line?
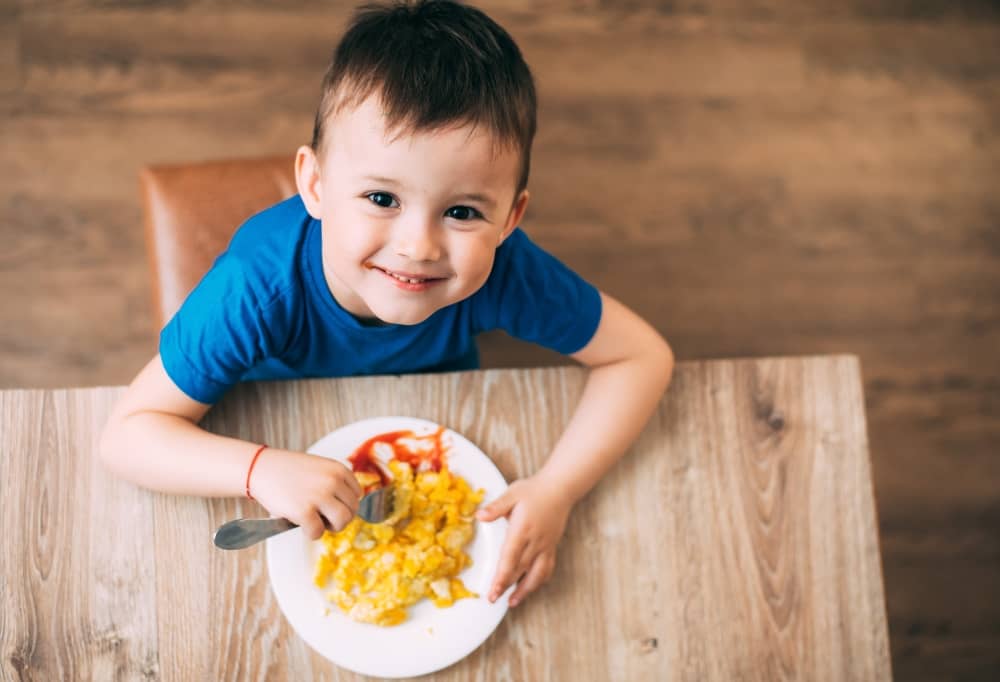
column 756, row 178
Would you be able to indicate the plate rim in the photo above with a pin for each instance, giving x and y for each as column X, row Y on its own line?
column 498, row 608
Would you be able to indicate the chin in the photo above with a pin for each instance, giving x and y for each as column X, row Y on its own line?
column 405, row 317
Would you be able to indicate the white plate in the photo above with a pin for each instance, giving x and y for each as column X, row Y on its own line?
column 430, row 638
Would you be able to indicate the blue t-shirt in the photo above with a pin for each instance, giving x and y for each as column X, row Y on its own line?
column 264, row 311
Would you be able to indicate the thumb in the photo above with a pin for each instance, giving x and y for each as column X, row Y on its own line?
column 497, row 508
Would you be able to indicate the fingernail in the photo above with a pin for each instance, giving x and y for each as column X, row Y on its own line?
column 513, row 603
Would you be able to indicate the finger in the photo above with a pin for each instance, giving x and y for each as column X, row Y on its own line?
column 352, row 483
column 336, row 514
column 537, row 575
column 312, row 525
column 511, row 557
column 347, row 495
column 497, row 508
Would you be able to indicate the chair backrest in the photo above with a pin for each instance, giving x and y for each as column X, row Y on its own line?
column 192, row 211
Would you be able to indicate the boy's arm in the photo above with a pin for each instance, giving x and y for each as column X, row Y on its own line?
column 631, row 366
column 152, row 439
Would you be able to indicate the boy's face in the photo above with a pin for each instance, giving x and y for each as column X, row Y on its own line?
column 410, row 224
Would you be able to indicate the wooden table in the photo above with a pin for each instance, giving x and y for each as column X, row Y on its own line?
column 737, row 539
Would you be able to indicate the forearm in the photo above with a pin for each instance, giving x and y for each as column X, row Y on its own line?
column 601, row 430
column 173, row 455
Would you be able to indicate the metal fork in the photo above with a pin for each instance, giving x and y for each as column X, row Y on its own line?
column 375, row 507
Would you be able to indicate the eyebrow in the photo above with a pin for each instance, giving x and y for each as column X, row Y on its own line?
column 481, row 198
column 484, row 199
column 380, row 179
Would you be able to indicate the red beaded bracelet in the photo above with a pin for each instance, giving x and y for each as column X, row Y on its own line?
column 250, row 470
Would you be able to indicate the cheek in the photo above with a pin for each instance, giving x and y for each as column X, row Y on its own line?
column 353, row 236
column 474, row 259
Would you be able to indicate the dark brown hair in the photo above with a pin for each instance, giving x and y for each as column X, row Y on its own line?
column 433, row 63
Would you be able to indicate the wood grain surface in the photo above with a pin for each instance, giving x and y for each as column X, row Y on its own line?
column 755, row 177
column 736, row 540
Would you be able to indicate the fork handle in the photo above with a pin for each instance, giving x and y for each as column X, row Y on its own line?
column 245, row 532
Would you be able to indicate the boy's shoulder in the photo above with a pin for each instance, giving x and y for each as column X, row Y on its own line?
column 277, row 228
column 513, row 248
column 517, row 252
column 522, row 267
column 534, row 296
column 265, row 255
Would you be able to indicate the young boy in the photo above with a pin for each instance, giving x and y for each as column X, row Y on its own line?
column 401, row 245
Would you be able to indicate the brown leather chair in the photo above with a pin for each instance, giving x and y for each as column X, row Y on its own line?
column 192, row 210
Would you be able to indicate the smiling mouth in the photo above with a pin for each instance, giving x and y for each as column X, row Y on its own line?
column 407, row 278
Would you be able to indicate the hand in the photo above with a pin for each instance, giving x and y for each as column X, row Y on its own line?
column 311, row 491
column 537, row 514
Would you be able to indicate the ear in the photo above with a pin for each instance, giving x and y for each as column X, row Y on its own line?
column 308, row 181
column 516, row 213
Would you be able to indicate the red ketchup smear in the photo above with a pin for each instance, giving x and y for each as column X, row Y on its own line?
column 364, row 459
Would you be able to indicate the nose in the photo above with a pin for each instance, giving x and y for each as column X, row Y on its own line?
column 416, row 238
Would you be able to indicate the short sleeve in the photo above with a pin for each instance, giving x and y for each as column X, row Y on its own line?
column 223, row 329
column 533, row 296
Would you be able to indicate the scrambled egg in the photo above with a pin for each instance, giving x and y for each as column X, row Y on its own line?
column 378, row 570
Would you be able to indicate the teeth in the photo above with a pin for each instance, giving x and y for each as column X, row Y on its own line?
column 405, row 279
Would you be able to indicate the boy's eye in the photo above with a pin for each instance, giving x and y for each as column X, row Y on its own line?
column 381, row 199
column 463, row 213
